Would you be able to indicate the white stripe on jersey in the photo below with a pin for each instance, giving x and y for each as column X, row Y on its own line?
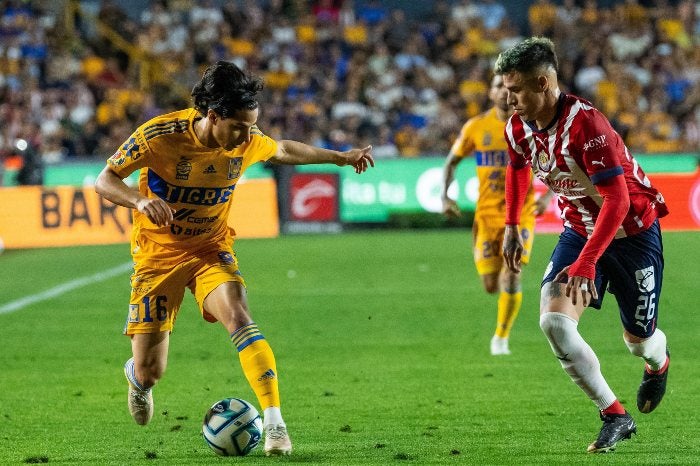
column 578, row 174
column 635, row 170
column 511, row 139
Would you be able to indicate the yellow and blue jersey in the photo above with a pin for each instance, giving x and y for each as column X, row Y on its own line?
column 483, row 136
column 198, row 182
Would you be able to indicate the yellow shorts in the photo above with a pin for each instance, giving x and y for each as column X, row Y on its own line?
column 488, row 242
column 157, row 288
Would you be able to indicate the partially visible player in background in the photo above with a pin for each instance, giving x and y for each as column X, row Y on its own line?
column 190, row 162
column 611, row 239
column 482, row 137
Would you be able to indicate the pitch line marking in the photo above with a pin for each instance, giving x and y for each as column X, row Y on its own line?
column 63, row 288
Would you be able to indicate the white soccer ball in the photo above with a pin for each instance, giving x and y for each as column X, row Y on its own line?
column 232, row 427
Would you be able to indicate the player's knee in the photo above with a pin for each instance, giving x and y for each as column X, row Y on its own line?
column 491, row 288
column 490, row 283
column 557, row 327
column 510, row 282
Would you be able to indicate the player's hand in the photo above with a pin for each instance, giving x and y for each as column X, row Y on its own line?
column 541, row 203
column 360, row 159
column 450, row 209
column 512, row 248
column 577, row 287
column 157, row 210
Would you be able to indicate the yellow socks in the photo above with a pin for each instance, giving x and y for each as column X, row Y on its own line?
column 258, row 364
column 508, row 308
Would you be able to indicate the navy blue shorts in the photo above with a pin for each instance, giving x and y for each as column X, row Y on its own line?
column 631, row 269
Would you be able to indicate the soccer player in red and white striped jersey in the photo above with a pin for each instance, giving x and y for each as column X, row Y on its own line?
column 611, row 234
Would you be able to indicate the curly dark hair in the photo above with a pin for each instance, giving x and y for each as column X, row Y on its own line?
column 225, row 89
column 527, row 56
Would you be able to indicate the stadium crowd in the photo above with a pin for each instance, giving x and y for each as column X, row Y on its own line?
column 338, row 74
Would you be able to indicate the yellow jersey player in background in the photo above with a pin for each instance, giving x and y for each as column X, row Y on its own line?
column 483, row 137
column 190, row 162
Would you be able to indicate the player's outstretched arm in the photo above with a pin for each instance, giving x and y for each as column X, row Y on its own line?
column 298, row 153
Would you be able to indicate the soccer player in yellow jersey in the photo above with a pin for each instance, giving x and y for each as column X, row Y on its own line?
column 190, row 162
column 483, row 137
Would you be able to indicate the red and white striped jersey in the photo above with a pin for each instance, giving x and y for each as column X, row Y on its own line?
column 577, row 150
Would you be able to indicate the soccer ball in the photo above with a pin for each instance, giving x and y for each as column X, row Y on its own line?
column 232, row 427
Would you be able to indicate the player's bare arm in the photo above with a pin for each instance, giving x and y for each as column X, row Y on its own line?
column 512, row 247
column 110, row 186
column 449, row 206
column 298, row 153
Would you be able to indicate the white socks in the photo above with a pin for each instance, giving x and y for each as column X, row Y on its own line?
column 272, row 415
column 576, row 357
column 652, row 350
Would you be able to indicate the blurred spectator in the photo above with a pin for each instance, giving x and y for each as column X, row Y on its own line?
column 346, row 72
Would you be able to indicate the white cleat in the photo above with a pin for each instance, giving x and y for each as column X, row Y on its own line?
column 499, row 346
column 277, row 441
column 140, row 404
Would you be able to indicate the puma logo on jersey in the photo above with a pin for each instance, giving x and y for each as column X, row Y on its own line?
column 598, row 162
column 644, row 326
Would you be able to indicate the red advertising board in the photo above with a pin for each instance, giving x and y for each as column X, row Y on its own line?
column 314, row 197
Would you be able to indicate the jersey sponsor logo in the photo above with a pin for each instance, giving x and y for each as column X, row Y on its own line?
column 186, row 194
column 186, row 214
column 183, row 213
column 209, row 170
column 176, row 229
column 597, row 142
column 491, row 158
column 234, row 167
column 183, row 168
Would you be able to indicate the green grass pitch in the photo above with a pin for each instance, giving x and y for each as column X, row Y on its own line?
column 381, row 341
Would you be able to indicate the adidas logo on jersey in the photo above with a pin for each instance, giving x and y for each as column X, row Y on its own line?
column 209, row 170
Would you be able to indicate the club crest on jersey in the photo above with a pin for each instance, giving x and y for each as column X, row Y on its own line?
column 234, row 167
column 183, row 168
column 117, row 159
column 133, row 313
column 544, row 161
